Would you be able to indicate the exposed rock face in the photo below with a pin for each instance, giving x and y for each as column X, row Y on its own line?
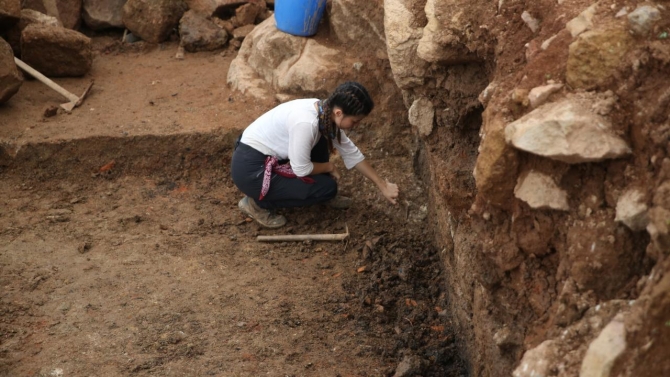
column 355, row 27
column 56, row 51
column 68, row 12
column 10, row 78
column 566, row 131
column 595, row 56
column 10, row 12
column 401, row 44
column 103, row 14
column 200, row 34
column 422, row 116
column 541, row 192
column 153, row 20
column 440, row 40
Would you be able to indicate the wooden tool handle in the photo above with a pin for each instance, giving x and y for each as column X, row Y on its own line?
column 304, row 237
column 46, row 80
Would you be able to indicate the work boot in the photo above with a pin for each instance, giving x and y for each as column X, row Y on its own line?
column 340, row 202
column 262, row 216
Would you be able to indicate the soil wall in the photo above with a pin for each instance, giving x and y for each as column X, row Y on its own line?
column 533, row 285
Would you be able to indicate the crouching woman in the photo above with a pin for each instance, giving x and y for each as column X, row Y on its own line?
column 282, row 159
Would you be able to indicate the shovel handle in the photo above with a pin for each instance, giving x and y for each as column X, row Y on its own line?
column 46, row 81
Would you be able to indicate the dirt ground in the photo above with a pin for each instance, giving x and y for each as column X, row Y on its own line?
column 122, row 251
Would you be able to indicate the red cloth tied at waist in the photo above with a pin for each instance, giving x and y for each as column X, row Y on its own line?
column 271, row 166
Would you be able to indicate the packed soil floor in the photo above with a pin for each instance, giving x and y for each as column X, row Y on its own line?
column 123, row 253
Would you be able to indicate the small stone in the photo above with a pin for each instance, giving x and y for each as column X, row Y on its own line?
column 422, row 115
column 539, row 95
column 582, row 22
column 538, row 361
column 545, row 44
column 540, row 192
column 50, row 111
column 642, row 19
column 241, row 32
column 530, row 21
column 407, row 367
column 180, row 53
column 631, row 210
column 486, row 94
column 622, row 12
column 605, row 349
column 506, row 338
column 84, row 247
column 520, row 96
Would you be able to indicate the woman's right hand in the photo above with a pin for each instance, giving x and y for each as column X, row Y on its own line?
column 390, row 191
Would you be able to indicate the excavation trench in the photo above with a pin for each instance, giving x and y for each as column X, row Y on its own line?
column 128, row 256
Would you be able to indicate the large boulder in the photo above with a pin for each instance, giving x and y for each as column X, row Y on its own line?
column 103, row 14
column 28, row 17
column 10, row 78
column 68, row 12
column 596, row 55
column 200, row 34
column 10, row 12
column 566, row 131
column 153, row 20
column 56, row 51
column 402, row 39
column 291, row 65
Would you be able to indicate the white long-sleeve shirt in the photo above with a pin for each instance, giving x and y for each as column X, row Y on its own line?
column 290, row 131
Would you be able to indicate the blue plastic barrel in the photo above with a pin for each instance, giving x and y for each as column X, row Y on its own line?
column 299, row 17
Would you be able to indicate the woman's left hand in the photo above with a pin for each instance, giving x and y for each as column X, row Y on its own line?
column 335, row 174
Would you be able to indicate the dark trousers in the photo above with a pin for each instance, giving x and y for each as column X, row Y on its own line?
column 247, row 172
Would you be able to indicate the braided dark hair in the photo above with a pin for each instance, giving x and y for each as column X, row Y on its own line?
column 352, row 98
